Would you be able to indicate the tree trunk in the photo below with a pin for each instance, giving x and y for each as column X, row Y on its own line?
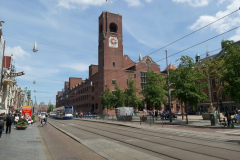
column 186, row 114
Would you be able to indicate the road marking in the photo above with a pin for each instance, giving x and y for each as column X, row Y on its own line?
column 129, row 140
column 230, row 132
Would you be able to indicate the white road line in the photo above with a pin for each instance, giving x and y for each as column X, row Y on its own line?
column 230, row 132
column 129, row 140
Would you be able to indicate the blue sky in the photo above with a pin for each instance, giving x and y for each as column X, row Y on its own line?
column 147, row 26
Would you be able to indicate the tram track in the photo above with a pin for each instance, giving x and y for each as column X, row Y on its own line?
column 196, row 138
column 93, row 130
column 189, row 136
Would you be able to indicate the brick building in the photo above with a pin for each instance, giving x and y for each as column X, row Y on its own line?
column 113, row 67
column 225, row 102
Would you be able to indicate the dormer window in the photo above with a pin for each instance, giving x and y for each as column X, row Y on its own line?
column 113, row 27
column 113, row 64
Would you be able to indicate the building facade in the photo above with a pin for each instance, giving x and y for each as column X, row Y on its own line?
column 225, row 102
column 113, row 68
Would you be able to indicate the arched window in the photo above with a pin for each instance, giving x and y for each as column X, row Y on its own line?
column 113, row 27
column 100, row 28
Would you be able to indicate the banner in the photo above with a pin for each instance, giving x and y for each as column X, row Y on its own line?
column 15, row 74
column 27, row 110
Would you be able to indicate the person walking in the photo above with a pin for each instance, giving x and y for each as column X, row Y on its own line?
column 238, row 118
column 45, row 119
column 8, row 123
column 228, row 116
column 2, row 124
column 16, row 120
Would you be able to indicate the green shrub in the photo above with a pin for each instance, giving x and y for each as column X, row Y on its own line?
column 21, row 124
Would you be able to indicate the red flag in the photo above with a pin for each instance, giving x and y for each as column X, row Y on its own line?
column 106, row 0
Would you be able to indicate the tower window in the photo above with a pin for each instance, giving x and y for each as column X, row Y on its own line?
column 100, row 29
column 113, row 27
column 113, row 64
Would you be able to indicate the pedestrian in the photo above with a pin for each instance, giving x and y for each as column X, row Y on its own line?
column 8, row 123
column 45, row 120
column 42, row 119
column 2, row 124
column 16, row 120
column 76, row 115
column 228, row 116
column 156, row 114
column 238, row 118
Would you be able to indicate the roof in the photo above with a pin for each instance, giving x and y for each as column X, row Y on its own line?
column 221, row 53
column 170, row 66
column 6, row 62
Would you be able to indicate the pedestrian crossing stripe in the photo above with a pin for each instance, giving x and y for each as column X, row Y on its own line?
column 229, row 132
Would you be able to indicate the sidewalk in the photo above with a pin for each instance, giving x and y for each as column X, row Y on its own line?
column 22, row 144
column 193, row 121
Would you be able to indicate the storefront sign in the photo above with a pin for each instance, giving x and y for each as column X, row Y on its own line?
column 27, row 110
column 15, row 74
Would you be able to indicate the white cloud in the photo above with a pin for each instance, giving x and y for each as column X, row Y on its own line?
column 17, row 52
column 76, row 66
column 148, row 1
column 236, row 37
column 133, row 3
column 194, row 3
column 224, row 24
column 70, row 4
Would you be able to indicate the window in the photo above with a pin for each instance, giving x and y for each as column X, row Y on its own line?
column 127, row 81
column 114, row 82
column 143, row 76
column 223, row 97
column 113, row 64
column 135, row 75
column 213, row 83
column 214, row 96
column 113, row 27
column 100, row 29
column 92, row 97
column 221, row 83
column 207, row 96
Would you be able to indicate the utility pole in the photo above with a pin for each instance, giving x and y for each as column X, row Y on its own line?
column 169, row 95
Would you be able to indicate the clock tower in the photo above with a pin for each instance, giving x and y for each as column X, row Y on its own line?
column 110, row 47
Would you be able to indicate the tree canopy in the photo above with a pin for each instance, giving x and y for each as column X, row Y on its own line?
column 154, row 92
column 131, row 91
column 186, row 83
column 232, row 67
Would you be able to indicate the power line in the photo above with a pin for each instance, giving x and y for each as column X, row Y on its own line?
column 185, row 36
column 188, row 48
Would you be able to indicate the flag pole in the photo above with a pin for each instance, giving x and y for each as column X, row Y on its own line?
column 110, row 5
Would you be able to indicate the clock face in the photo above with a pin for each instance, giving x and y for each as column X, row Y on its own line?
column 113, row 42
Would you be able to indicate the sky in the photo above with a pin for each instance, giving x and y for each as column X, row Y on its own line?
column 66, row 32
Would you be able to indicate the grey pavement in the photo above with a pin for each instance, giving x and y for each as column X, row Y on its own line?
column 22, row 145
column 130, row 141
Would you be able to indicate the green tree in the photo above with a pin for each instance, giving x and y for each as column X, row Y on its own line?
column 154, row 90
column 184, row 80
column 106, row 99
column 214, row 70
column 50, row 108
column 131, row 98
column 118, row 97
column 232, row 67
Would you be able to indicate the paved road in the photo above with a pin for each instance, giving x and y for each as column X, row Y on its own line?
column 62, row 147
column 122, row 142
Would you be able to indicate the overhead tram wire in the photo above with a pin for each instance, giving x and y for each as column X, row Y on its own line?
column 188, row 48
column 160, row 48
column 184, row 36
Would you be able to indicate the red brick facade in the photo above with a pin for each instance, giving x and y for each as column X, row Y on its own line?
column 112, row 65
